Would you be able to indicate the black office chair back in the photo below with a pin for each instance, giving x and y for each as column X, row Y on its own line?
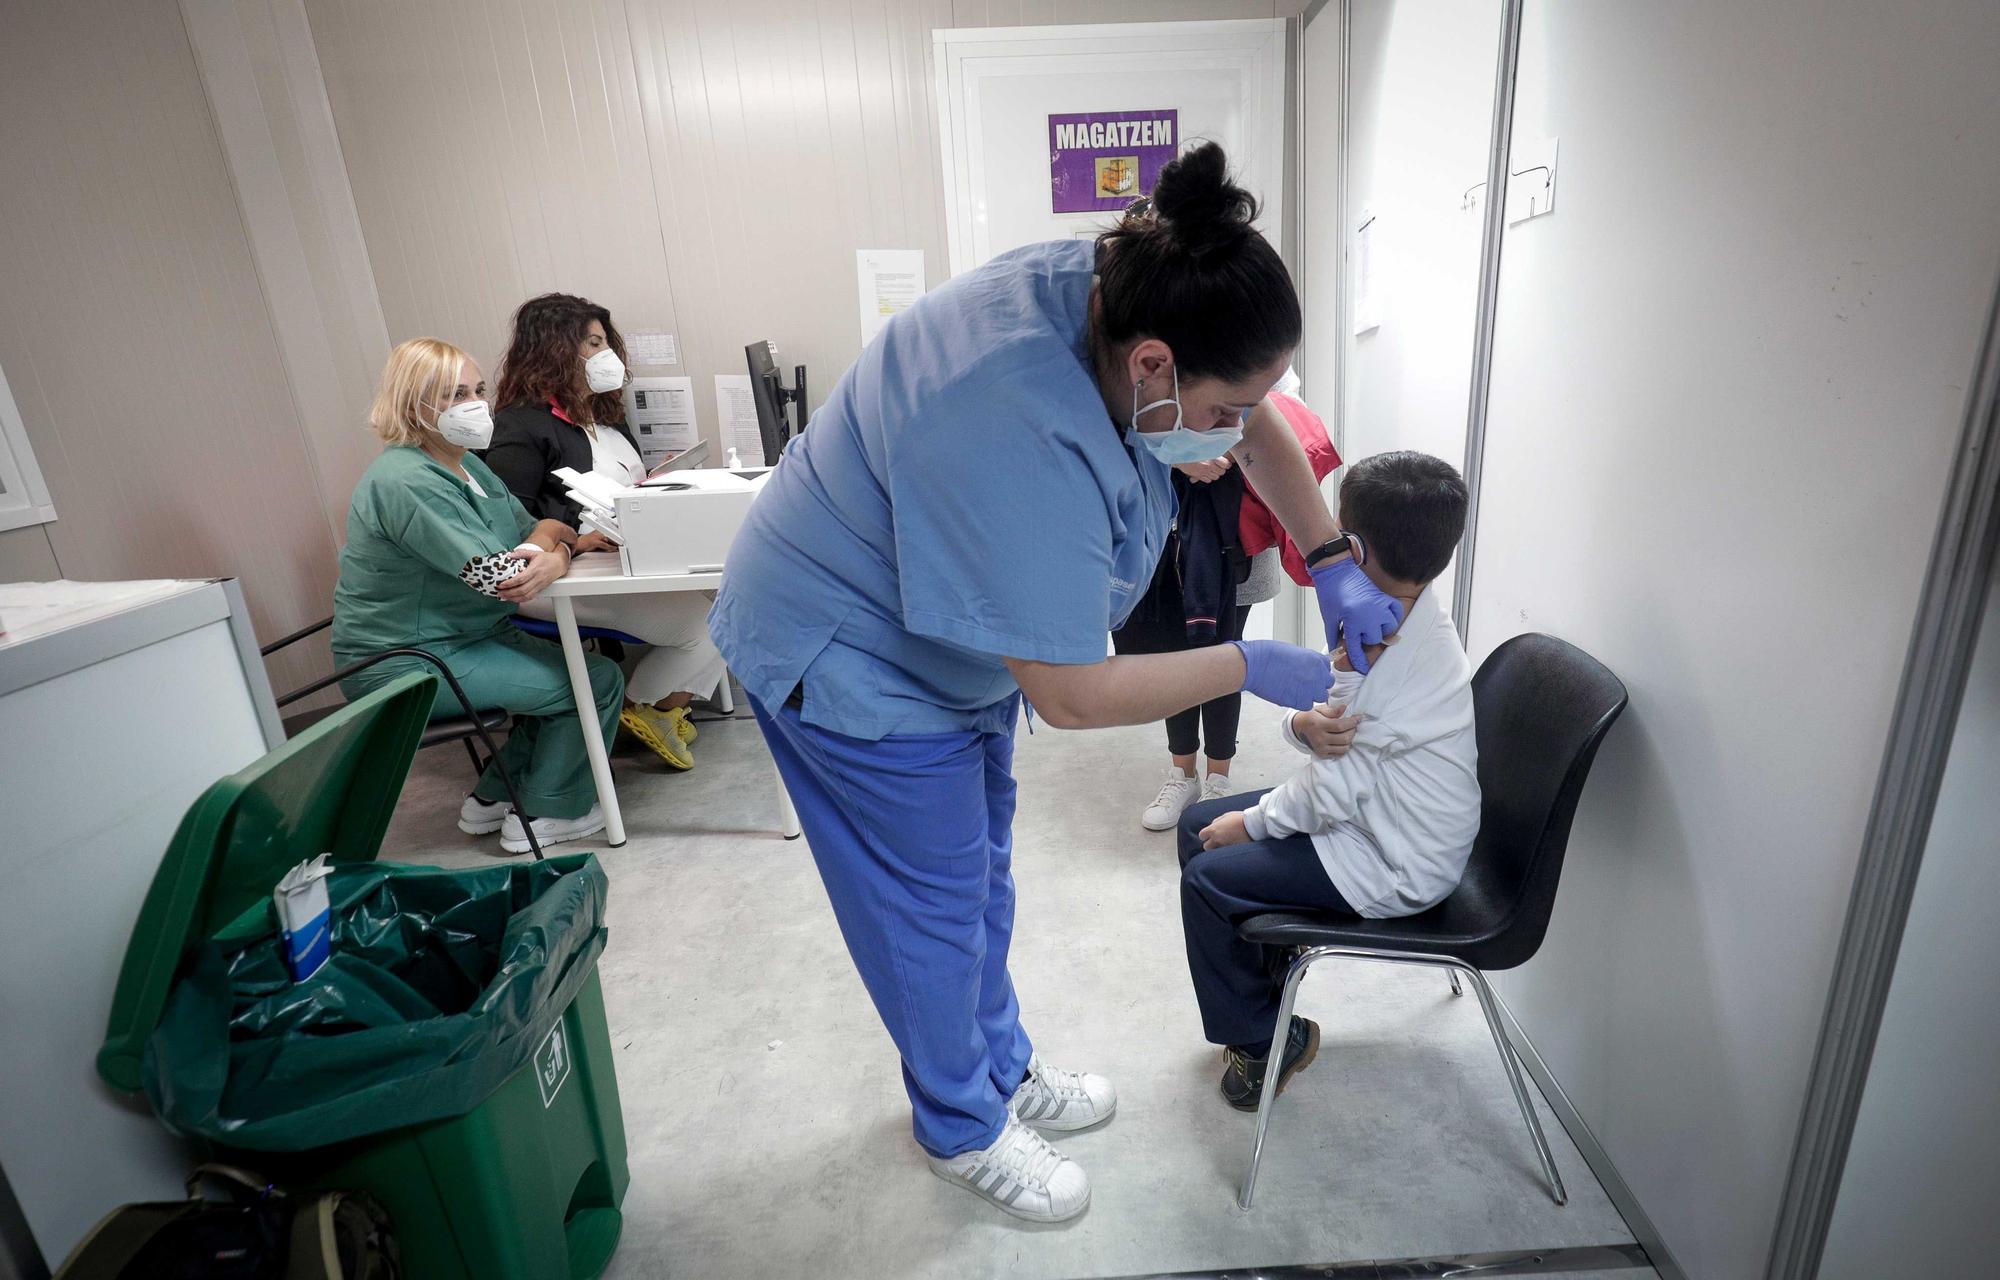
column 1541, row 707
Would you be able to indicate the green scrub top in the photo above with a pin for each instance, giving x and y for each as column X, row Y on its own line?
column 411, row 527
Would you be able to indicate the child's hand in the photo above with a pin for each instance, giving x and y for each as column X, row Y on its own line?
column 1227, row 829
column 1329, row 731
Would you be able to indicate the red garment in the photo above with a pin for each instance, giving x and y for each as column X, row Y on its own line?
column 1256, row 525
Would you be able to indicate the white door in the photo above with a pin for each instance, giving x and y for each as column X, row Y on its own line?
column 1004, row 91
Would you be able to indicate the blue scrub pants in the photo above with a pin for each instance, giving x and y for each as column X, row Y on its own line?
column 913, row 837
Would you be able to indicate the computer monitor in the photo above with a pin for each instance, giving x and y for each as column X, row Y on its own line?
column 772, row 395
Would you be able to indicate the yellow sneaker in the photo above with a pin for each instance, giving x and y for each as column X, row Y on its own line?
column 656, row 730
column 683, row 724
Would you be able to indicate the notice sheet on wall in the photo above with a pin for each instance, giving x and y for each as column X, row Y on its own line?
column 890, row 280
column 652, row 347
column 1367, row 276
column 660, row 412
column 736, row 410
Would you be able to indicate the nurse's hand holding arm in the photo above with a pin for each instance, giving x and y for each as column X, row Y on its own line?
column 1350, row 605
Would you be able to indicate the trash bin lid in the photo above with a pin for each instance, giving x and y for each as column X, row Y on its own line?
column 332, row 789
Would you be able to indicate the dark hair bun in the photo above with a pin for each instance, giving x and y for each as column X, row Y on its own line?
column 1188, row 267
column 1202, row 209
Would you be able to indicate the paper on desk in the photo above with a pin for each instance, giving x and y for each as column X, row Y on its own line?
column 736, row 409
column 707, row 480
column 29, row 609
column 660, row 412
column 592, row 490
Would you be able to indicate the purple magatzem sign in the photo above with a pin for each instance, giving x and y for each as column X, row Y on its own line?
column 1107, row 159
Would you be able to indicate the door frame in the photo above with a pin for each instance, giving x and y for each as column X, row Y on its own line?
column 965, row 55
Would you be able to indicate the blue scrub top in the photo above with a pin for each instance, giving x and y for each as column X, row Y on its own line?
column 961, row 498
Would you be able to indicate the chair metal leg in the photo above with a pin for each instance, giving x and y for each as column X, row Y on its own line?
column 1455, row 988
column 725, row 698
column 478, row 765
column 1274, row 1059
column 1521, row 1094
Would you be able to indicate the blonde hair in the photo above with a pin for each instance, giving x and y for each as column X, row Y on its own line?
column 422, row 373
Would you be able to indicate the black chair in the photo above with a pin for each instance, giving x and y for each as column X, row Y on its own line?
column 475, row 723
column 1541, row 708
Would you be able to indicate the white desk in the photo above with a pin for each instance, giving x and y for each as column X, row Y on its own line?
column 599, row 574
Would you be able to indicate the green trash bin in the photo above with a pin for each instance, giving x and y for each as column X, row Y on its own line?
column 451, row 1059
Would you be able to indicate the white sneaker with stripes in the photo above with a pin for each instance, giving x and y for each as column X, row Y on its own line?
column 1022, row 1175
column 1051, row 1098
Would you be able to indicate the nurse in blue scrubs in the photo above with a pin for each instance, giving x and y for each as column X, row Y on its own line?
column 983, row 497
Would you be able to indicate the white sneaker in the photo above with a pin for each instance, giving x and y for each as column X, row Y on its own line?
column 1176, row 793
column 478, row 817
column 1022, row 1175
column 1051, row 1098
column 1215, row 786
column 550, row 830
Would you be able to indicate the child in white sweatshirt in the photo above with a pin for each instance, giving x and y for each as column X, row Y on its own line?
column 1380, row 829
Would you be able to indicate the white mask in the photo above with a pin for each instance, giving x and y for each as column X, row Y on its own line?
column 1179, row 443
column 604, row 371
column 467, row 424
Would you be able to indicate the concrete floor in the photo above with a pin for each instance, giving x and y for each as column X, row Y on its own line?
column 767, row 1124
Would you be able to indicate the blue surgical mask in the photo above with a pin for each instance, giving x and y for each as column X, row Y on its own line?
column 1181, row 443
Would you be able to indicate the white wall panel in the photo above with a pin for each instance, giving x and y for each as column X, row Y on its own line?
column 1917, row 1192
column 706, row 169
column 134, row 330
column 1729, row 372
column 1420, row 99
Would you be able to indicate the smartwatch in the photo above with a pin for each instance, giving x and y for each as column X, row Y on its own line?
column 1340, row 542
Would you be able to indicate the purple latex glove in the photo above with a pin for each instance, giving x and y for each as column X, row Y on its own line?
column 1285, row 673
column 1351, row 605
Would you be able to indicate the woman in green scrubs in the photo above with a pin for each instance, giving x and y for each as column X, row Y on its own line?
column 439, row 556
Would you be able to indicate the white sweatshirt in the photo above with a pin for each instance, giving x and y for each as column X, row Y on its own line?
column 1393, row 819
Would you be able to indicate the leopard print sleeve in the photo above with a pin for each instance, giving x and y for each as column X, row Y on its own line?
column 484, row 574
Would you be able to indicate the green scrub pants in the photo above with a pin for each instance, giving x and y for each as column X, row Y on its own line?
column 526, row 676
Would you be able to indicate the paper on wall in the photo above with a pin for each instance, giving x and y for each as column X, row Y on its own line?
column 1367, row 276
column 660, row 412
column 736, row 410
column 890, row 280
column 652, row 347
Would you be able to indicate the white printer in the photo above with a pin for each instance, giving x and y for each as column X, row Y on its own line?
column 676, row 522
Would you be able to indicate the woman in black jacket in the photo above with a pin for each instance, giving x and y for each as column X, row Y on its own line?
column 559, row 405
